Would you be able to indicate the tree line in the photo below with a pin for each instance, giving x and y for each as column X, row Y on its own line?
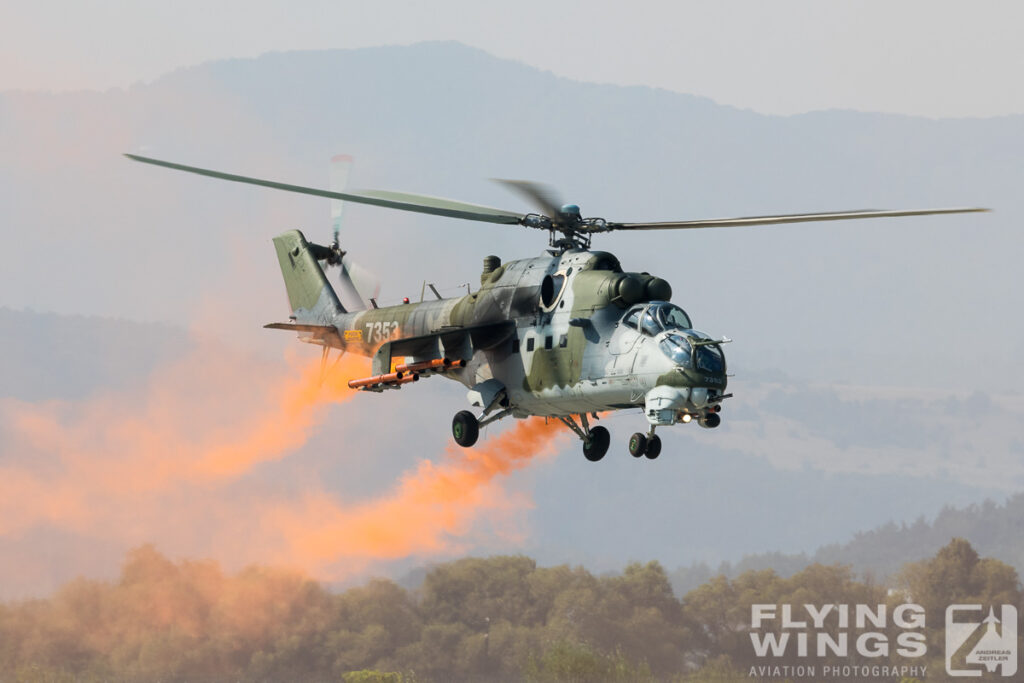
column 475, row 619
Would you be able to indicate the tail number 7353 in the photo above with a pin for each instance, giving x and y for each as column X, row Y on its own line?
column 380, row 332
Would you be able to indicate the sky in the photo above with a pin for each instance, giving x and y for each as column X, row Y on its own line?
column 938, row 58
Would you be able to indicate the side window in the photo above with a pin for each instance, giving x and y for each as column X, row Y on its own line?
column 529, row 343
column 547, row 341
column 563, row 341
column 633, row 318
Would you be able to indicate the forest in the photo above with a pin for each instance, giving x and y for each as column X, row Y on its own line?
column 474, row 619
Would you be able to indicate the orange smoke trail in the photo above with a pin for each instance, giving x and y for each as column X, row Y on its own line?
column 170, row 464
column 300, row 402
column 205, row 418
column 429, row 506
column 200, row 419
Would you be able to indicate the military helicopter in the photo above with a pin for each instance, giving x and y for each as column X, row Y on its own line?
column 566, row 335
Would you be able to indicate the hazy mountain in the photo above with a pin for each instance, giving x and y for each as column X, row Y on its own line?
column 48, row 356
column 994, row 529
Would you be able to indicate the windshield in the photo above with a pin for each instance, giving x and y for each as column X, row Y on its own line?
column 677, row 348
column 658, row 317
column 671, row 315
column 710, row 359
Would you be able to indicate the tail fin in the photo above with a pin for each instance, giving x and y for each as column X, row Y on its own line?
column 310, row 295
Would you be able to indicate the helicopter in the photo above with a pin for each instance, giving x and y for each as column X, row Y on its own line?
column 566, row 335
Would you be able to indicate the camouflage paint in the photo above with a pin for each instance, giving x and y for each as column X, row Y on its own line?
column 603, row 364
column 304, row 279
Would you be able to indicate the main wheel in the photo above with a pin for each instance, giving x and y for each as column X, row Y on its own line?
column 465, row 428
column 637, row 444
column 653, row 447
column 596, row 446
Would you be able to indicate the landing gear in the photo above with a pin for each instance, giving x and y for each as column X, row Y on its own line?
column 596, row 446
column 653, row 447
column 465, row 428
column 595, row 441
column 645, row 444
column 637, row 445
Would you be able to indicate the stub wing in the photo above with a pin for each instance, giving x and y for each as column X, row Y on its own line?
column 451, row 343
column 455, row 343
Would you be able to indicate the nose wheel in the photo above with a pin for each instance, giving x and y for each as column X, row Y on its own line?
column 637, row 444
column 596, row 440
column 642, row 444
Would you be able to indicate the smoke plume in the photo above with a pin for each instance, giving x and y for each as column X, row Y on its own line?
column 173, row 463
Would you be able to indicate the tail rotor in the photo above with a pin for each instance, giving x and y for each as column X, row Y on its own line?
column 357, row 285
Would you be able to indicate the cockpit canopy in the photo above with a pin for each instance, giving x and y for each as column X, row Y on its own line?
column 683, row 345
column 657, row 317
column 677, row 347
column 710, row 359
column 693, row 351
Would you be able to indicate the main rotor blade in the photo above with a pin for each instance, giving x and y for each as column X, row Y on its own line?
column 391, row 200
column 785, row 218
column 540, row 195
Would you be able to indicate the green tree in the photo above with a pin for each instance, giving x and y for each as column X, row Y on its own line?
column 472, row 590
column 370, row 676
column 569, row 662
column 957, row 575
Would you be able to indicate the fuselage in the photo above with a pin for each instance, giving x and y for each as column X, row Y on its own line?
column 587, row 336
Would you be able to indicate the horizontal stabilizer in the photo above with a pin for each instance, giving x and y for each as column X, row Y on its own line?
column 325, row 334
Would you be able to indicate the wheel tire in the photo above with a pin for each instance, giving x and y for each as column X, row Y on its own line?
column 465, row 428
column 653, row 447
column 597, row 445
column 637, row 444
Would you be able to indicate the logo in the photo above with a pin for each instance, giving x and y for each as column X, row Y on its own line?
column 833, row 634
column 975, row 645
